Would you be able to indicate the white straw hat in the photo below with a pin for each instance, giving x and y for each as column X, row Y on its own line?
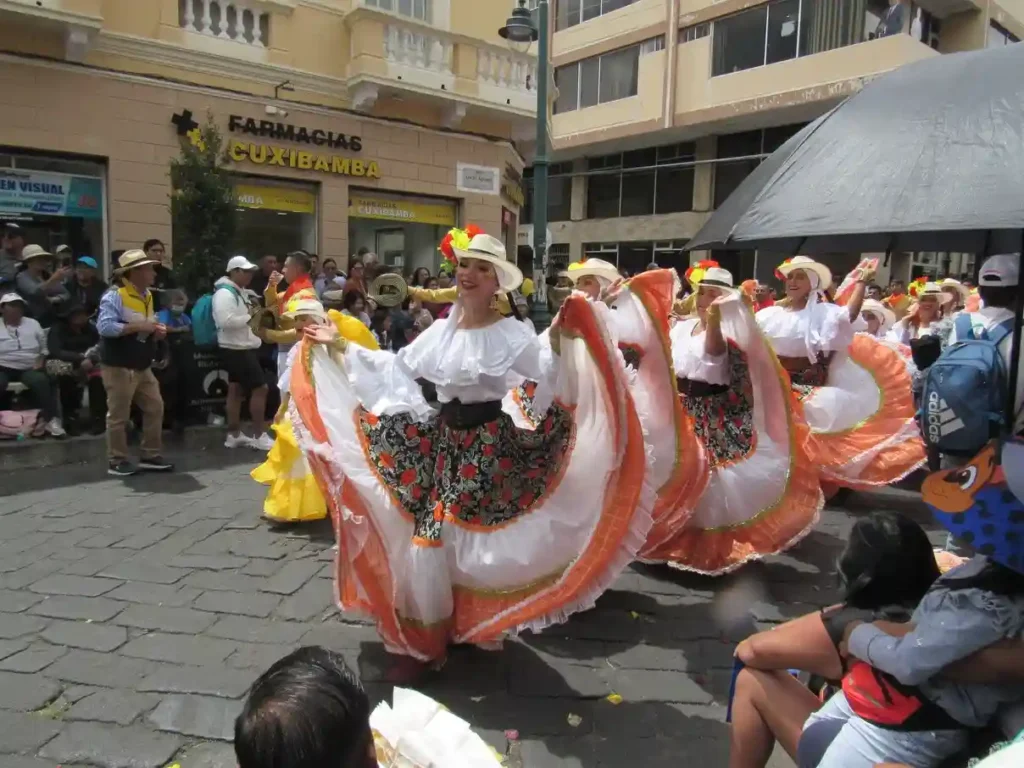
column 308, row 307
column 885, row 315
column 490, row 249
column 957, row 286
column 808, row 264
column 599, row 268
column 717, row 277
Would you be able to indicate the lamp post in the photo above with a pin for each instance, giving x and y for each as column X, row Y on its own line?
column 520, row 32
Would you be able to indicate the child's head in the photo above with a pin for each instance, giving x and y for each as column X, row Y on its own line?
column 177, row 300
column 888, row 561
column 307, row 711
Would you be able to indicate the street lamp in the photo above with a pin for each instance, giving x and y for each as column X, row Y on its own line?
column 520, row 32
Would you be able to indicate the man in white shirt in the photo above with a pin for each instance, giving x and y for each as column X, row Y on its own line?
column 997, row 285
column 239, row 351
column 23, row 359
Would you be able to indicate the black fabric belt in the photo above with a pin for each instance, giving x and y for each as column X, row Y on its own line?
column 459, row 415
column 695, row 388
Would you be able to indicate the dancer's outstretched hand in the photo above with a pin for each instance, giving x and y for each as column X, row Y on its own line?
column 323, row 334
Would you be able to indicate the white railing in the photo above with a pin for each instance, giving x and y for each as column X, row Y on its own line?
column 235, row 20
column 506, row 70
column 420, row 48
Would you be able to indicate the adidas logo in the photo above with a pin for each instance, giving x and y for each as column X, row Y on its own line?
column 940, row 419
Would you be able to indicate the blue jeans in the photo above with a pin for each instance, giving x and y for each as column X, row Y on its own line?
column 859, row 744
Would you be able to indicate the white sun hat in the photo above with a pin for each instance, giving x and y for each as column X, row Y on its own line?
column 305, row 307
column 490, row 249
column 717, row 277
column 957, row 286
column 885, row 315
column 599, row 268
column 807, row 264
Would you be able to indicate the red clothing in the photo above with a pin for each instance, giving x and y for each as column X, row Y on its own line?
column 304, row 283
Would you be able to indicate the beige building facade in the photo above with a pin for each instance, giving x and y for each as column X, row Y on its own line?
column 663, row 107
column 373, row 124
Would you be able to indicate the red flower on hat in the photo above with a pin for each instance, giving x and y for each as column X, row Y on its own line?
column 778, row 273
column 696, row 271
column 473, row 230
column 915, row 287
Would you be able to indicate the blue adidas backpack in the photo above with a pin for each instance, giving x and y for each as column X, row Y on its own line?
column 204, row 328
column 964, row 393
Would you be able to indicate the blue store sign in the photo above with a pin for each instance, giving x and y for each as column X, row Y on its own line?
column 53, row 194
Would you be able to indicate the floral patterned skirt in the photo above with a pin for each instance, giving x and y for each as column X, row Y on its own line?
column 724, row 422
column 481, row 476
column 523, row 396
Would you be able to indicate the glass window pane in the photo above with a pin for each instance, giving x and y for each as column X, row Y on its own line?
column 779, row 135
column 560, row 198
column 567, row 82
column 634, row 257
column 603, row 196
column 589, row 69
column 686, row 150
column 728, row 176
column 567, row 14
column 675, row 190
column 638, row 194
column 640, row 158
column 591, row 9
column 782, row 18
column 738, row 41
column 619, row 71
column 607, row 6
column 405, row 7
column 604, row 161
column 739, row 144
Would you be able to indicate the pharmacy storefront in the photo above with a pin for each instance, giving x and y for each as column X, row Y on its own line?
column 403, row 230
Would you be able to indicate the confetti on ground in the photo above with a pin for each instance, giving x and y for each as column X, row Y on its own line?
column 614, row 698
column 574, row 720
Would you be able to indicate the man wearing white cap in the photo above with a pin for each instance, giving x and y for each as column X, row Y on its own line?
column 997, row 285
column 239, row 351
column 22, row 357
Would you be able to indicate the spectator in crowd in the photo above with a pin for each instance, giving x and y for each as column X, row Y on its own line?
column 307, row 710
column 23, row 359
column 239, row 350
column 268, row 266
column 444, row 280
column 84, row 286
column 874, row 291
column 174, row 385
column 356, row 277
column 300, row 286
column 329, row 279
column 42, row 289
column 10, row 254
column 164, row 281
column 898, row 300
column 74, row 360
column 354, row 305
column 380, row 324
column 314, row 265
column 892, row 22
column 420, row 277
column 129, row 334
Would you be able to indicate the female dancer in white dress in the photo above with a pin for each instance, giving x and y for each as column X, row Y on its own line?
column 855, row 391
column 459, row 527
column 762, row 493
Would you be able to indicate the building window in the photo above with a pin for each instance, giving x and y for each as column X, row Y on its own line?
column 598, row 80
column 998, row 36
column 422, row 10
column 749, row 148
column 641, row 182
column 559, row 193
column 558, row 255
column 696, row 32
column 569, row 13
column 653, row 45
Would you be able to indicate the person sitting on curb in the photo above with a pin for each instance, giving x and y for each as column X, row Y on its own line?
column 23, row 359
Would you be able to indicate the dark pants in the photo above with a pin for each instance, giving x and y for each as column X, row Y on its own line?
column 174, row 390
column 71, row 389
column 39, row 387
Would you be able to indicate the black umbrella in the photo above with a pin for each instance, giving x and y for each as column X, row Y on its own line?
column 929, row 157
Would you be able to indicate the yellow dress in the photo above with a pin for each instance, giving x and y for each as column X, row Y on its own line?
column 294, row 496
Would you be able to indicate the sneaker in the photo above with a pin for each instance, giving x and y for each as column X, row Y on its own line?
column 239, row 440
column 263, row 443
column 54, row 428
column 155, row 464
column 121, row 468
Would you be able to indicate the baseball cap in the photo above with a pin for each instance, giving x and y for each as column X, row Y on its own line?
column 240, row 262
column 61, row 248
column 10, row 298
column 89, row 261
column 1003, row 269
column 11, row 229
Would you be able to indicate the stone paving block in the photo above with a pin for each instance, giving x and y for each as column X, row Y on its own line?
column 14, row 625
column 24, row 543
column 20, row 761
column 310, row 602
column 165, row 618
column 257, row 656
column 218, row 681
column 112, row 706
column 16, row 601
column 24, row 733
column 202, row 716
column 257, row 604
column 655, row 685
column 26, row 693
column 262, row 544
column 29, row 574
column 112, row 746
column 260, row 567
column 93, row 562
column 152, row 572
column 208, row 755
column 75, row 693
column 82, row 634
column 209, row 562
column 246, row 522
column 146, row 538
column 253, row 630
column 102, row 540
column 586, row 682
column 107, row 670
column 181, row 649
column 84, row 586
column 225, row 581
column 289, row 579
column 11, row 647
column 168, row 595
column 88, row 608
column 35, row 658
column 337, row 635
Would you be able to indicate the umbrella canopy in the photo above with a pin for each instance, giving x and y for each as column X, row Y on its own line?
column 929, row 157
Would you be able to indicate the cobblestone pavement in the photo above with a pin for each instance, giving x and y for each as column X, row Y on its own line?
column 134, row 614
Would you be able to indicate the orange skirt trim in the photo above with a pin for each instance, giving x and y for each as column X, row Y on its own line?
column 835, row 450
